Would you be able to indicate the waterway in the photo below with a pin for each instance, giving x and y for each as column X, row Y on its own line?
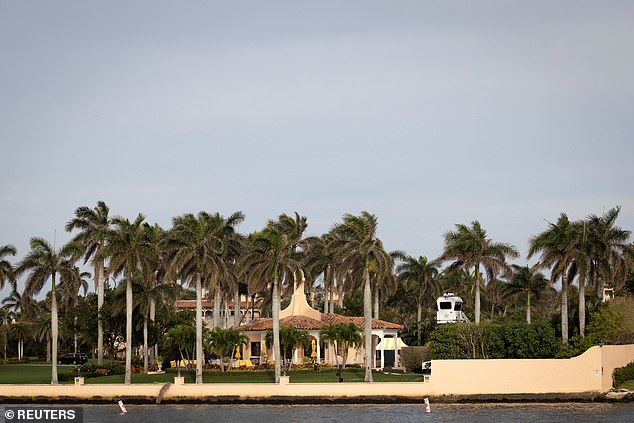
column 440, row 413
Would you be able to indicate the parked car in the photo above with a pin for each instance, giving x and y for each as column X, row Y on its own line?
column 73, row 358
column 426, row 367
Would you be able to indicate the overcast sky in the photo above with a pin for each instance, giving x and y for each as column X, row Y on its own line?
column 426, row 114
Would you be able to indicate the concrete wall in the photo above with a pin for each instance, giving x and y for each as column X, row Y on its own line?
column 589, row 372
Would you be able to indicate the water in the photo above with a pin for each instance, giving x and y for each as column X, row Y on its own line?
column 440, row 413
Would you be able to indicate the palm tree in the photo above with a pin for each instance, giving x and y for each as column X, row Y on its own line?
column 42, row 332
column 291, row 338
column 469, row 247
column 197, row 250
column 421, row 276
column 6, row 269
column 611, row 247
column 94, row 226
column 42, row 262
column 6, row 315
column 529, row 280
column 358, row 248
column 218, row 342
column 345, row 335
column 557, row 247
column 145, row 293
column 129, row 251
column 271, row 257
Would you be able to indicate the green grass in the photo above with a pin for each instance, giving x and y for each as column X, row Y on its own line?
column 628, row 384
column 33, row 374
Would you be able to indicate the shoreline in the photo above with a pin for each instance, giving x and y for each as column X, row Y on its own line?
column 349, row 399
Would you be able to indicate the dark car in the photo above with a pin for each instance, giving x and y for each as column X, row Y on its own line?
column 73, row 358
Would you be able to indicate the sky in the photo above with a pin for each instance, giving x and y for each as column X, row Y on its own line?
column 424, row 113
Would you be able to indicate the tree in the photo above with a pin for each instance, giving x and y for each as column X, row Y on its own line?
column 197, row 250
column 182, row 337
column 6, row 269
column 94, row 227
column 6, row 315
column 129, row 251
column 271, row 259
column 529, row 280
column 345, row 335
column 359, row 249
column 469, row 247
column 291, row 338
column 44, row 262
column 556, row 245
column 421, row 277
column 223, row 341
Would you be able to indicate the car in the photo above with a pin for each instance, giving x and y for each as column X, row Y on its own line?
column 426, row 367
column 73, row 358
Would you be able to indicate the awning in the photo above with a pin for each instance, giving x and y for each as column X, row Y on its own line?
column 388, row 344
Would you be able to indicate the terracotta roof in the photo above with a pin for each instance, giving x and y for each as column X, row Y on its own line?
column 306, row 323
column 376, row 323
column 298, row 322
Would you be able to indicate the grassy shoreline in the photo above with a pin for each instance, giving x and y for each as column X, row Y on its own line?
column 41, row 374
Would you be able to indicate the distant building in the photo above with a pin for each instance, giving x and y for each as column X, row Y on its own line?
column 300, row 315
column 249, row 310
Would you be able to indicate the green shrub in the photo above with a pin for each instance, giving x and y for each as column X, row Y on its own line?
column 623, row 374
column 413, row 357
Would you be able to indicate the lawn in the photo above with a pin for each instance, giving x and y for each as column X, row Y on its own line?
column 35, row 373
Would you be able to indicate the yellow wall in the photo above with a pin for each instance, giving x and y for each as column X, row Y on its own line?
column 589, row 372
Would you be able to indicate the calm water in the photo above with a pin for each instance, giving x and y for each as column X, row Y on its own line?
column 454, row 413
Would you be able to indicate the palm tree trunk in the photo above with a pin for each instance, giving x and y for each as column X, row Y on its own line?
column 528, row 307
column 376, row 301
column 217, row 306
column 145, row 351
column 477, row 294
column 367, row 324
column 199, row 330
column 419, row 319
column 100, row 297
column 276, row 327
column 54, row 332
column 582, row 306
column 128, row 329
column 236, row 306
column 564, row 308
column 152, row 313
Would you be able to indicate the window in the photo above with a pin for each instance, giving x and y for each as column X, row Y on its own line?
column 458, row 306
column 255, row 349
column 445, row 305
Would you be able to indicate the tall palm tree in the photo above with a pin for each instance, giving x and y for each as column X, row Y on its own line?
column 557, row 247
column 6, row 315
column 469, row 247
column 359, row 248
column 157, row 238
column 269, row 261
column 197, row 248
column 529, row 280
column 611, row 247
column 44, row 262
column 421, row 276
column 129, row 251
column 94, row 226
column 6, row 269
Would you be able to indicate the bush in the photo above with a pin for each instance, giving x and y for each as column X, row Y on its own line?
column 623, row 374
column 412, row 358
column 493, row 340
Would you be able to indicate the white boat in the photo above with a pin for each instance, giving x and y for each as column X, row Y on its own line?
column 449, row 309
